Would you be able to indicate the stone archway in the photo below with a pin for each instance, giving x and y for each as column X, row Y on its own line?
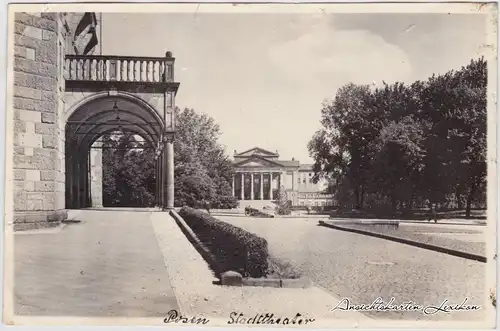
column 101, row 114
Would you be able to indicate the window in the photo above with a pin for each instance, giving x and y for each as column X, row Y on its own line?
column 304, row 181
column 310, row 174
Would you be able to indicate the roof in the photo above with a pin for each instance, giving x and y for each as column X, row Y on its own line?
column 289, row 163
column 257, row 151
column 255, row 160
column 306, row 167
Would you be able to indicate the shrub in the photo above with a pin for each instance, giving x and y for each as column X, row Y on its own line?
column 234, row 248
column 283, row 205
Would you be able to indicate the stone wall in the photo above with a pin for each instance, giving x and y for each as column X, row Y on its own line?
column 38, row 85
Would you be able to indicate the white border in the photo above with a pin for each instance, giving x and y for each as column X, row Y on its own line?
column 213, row 6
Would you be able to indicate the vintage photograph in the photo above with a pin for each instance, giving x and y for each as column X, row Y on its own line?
column 286, row 165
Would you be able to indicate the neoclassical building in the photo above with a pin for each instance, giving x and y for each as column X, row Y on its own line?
column 259, row 173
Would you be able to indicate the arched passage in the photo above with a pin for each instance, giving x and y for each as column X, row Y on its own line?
column 94, row 117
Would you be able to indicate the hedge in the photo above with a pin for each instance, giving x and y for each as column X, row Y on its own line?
column 234, row 248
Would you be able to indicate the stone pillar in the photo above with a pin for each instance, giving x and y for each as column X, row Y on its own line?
column 38, row 143
column 157, row 184
column 170, row 172
column 242, row 193
column 96, row 174
column 232, row 185
column 251, row 186
column 280, row 180
column 261, row 186
column 270, row 186
column 161, row 180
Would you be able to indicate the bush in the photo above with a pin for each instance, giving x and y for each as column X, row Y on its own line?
column 234, row 248
column 283, row 205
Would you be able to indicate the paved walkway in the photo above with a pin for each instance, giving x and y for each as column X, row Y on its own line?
column 192, row 281
column 108, row 265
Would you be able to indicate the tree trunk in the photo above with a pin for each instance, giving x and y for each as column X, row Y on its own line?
column 458, row 195
column 470, row 199
column 394, row 202
column 362, row 197
column 356, row 196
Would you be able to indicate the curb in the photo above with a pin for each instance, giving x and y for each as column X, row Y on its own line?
column 439, row 249
column 212, row 262
column 193, row 239
column 278, row 282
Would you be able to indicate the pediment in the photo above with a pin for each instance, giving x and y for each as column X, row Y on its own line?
column 256, row 162
column 257, row 151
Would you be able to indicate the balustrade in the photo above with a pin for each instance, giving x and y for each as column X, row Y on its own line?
column 101, row 68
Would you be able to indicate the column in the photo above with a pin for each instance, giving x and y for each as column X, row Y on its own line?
column 261, row 186
column 96, row 174
column 281, row 180
column 251, row 187
column 170, row 172
column 242, row 186
column 157, row 181
column 232, row 185
column 270, row 186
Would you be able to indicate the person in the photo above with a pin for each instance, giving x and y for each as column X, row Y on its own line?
column 308, row 208
column 432, row 212
column 206, row 206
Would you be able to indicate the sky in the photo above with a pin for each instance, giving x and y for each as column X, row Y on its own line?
column 264, row 77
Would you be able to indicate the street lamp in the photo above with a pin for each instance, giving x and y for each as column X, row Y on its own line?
column 117, row 112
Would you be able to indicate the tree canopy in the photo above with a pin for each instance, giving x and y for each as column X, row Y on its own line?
column 203, row 172
column 401, row 145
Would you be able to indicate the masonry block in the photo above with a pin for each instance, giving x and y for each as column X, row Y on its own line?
column 28, row 93
column 47, row 175
column 29, row 116
column 19, row 126
column 33, row 81
column 48, row 118
column 33, row 32
column 29, row 66
column 43, row 186
column 29, row 140
column 19, row 174
column 45, row 128
column 18, row 150
column 33, row 175
column 36, row 21
column 34, row 105
column 49, row 141
column 48, row 35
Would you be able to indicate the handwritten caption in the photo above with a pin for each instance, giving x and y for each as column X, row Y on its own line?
column 379, row 305
column 173, row 316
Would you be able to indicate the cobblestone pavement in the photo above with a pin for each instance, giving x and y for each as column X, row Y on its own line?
column 363, row 268
column 108, row 265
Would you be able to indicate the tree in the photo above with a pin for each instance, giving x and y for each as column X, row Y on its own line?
column 198, row 155
column 343, row 147
column 203, row 172
column 128, row 171
column 282, row 203
column 407, row 144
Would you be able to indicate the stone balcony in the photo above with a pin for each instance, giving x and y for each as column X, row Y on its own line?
column 121, row 72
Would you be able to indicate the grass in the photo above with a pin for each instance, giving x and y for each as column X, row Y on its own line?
column 281, row 270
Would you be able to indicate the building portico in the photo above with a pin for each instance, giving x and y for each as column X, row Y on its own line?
column 256, row 184
column 260, row 174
